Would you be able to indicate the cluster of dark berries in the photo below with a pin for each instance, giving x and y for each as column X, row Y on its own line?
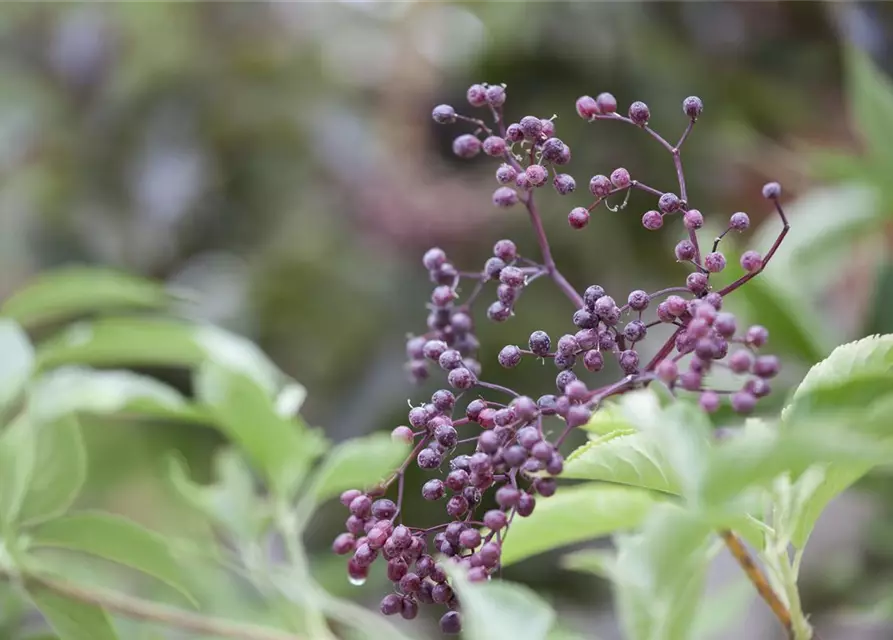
column 504, row 447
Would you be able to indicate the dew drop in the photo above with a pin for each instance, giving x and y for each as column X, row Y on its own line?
column 356, row 581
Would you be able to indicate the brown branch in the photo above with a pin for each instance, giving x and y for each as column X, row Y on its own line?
column 759, row 581
column 138, row 609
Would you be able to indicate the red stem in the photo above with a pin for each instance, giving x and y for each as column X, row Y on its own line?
column 784, row 231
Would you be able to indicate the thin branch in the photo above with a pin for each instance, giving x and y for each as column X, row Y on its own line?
column 545, row 249
column 784, row 231
column 138, row 609
column 760, row 583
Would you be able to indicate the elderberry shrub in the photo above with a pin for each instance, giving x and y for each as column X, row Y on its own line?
column 503, row 448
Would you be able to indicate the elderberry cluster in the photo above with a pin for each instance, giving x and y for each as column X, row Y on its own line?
column 505, row 447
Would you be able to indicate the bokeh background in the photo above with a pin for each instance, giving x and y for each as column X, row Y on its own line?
column 278, row 160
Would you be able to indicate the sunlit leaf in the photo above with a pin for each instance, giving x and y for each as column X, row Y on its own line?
column 500, row 609
column 634, row 459
column 60, row 469
column 575, row 514
column 232, row 501
column 116, row 539
column 126, row 341
column 17, row 455
column 281, row 449
column 16, row 360
column 356, row 464
column 75, row 291
column 77, row 389
column 659, row 574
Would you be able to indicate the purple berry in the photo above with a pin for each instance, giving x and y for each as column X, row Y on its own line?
column 676, row 305
column 756, row 336
column 391, row 604
column 606, row 103
column 715, row 262
column 635, row 331
column 448, row 360
column 620, row 178
column 743, row 402
column 457, row 506
column 696, row 282
column 506, row 174
column 526, row 504
column 593, row 360
column 667, row 371
column 600, row 186
column 578, row 218
column 470, row 538
column 751, row 261
column 361, row 506
column 495, row 520
column 512, row 276
column 587, row 107
column 766, row 366
column 725, row 325
column 507, row 295
column 714, row 300
column 513, row 133
column 433, row 490
column 466, row 146
column 532, row 127
column 771, row 190
column 638, row 300
column 685, row 251
column 505, row 197
column 494, row 146
column 592, row 294
column 495, row 95
column 548, row 128
column 461, row 378
column 537, row 175
column 434, row 258
column 476, row 95
column 758, row 387
column 409, row 609
column 498, row 312
column 540, row 343
column 384, row 509
column 693, row 219
column 343, row 544
column 510, row 356
column 451, row 623
column 629, row 361
column 402, row 434
column 349, row 496
column 709, row 401
column 639, row 113
column 552, row 150
column 443, row 114
column 564, row 184
column 652, row 220
column 739, row 221
column 741, row 361
column 692, row 107
column 563, row 379
column 668, row 203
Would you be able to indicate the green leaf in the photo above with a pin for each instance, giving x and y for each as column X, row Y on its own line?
column 61, row 459
column 16, row 360
column 116, row 539
column 634, row 459
column 75, row 291
column 722, row 609
column 575, row 514
column 500, row 609
column 127, row 341
column 680, row 431
column 659, row 574
column 845, row 399
column 869, row 356
column 237, row 353
column 72, row 620
column 71, row 390
column 598, row 562
column 356, row 464
column 231, row 502
column 17, row 454
column 609, row 419
column 872, row 356
column 282, row 449
column 870, row 98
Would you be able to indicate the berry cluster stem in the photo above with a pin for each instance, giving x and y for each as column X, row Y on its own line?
column 548, row 261
column 784, row 231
